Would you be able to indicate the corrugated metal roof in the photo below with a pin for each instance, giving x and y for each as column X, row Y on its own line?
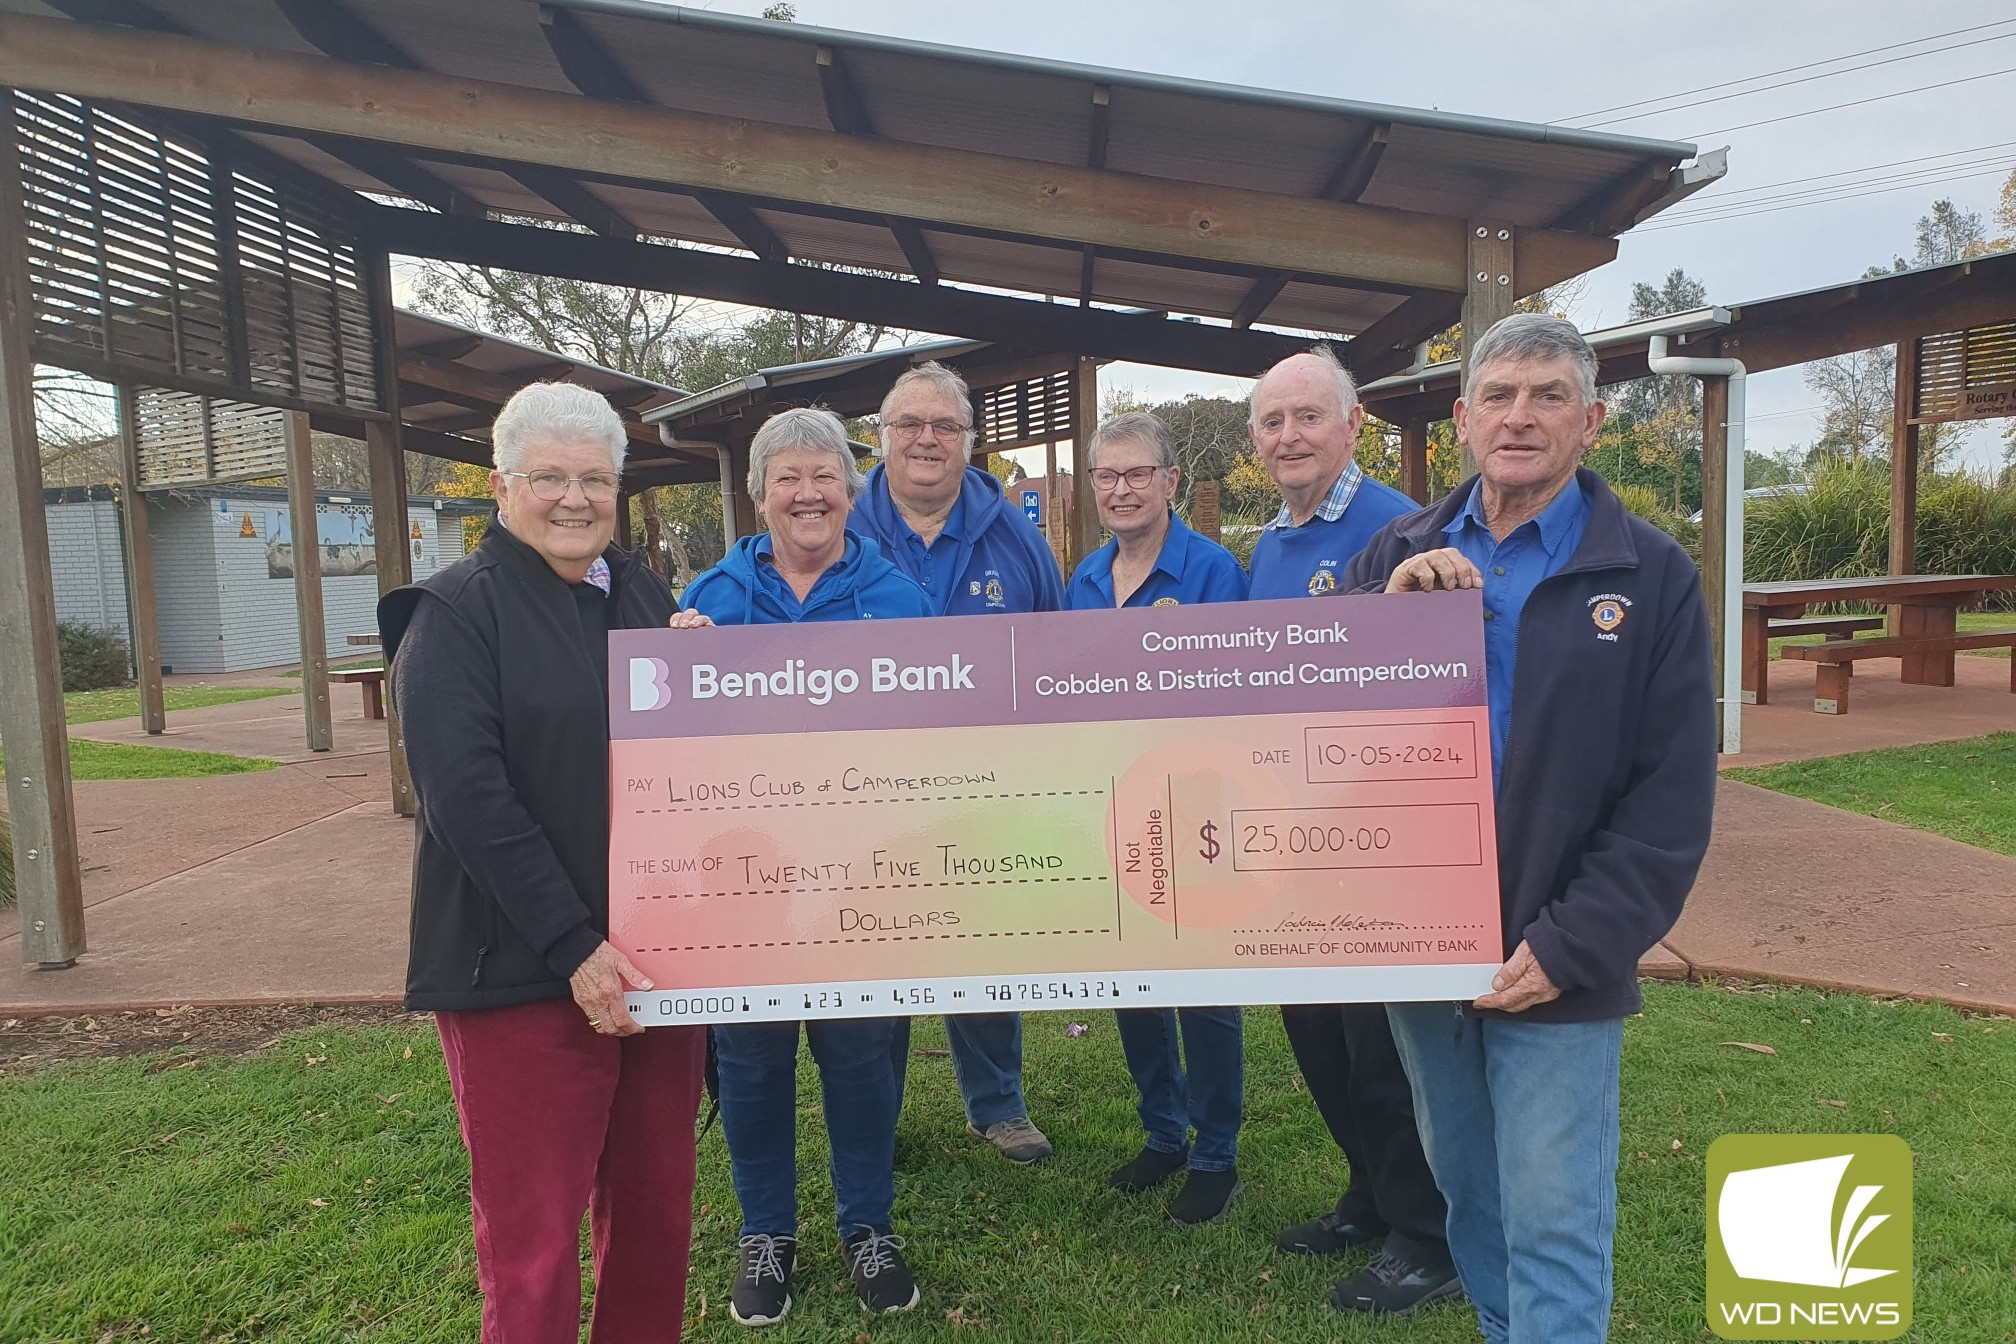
column 1049, row 112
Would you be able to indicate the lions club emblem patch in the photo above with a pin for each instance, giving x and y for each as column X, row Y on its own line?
column 1322, row 581
column 1167, row 602
column 1608, row 612
column 996, row 596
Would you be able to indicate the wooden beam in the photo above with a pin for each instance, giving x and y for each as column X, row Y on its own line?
column 1414, row 460
column 570, row 198
column 512, row 124
column 735, row 215
column 587, row 64
column 1146, row 339
column 452, row 347
column 845, row 110
column 1488, row 300
column 145, row 614
column 916, row 250
column 1095, row 158
column 385, row 458
column 1347, row 182
column 48, row 879
column 462, row 383
column 307, row 555
column 330, row 27
column 1904, row 437
column 405, row 177
column 1085, row 535
column 1387, row 346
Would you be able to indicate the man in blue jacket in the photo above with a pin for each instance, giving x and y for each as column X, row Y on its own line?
column 1602, row 710
column 949, row 527
column 1304, row 424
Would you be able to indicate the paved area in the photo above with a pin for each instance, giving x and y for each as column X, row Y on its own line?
column 1883, row 711
column 291, row 885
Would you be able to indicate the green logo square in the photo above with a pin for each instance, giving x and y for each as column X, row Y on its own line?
column 1809, row 1236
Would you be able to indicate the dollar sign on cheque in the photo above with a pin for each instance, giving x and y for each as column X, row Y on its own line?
column 1208, row 832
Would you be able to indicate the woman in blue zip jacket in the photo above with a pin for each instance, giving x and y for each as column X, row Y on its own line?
column 807, row 567
column 1154, row 560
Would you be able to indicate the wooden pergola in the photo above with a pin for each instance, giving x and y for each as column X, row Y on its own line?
column 201, row 196
column 1954, row 327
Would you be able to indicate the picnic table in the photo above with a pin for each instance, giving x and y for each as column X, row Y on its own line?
column 370, row 679
column 1925, row 637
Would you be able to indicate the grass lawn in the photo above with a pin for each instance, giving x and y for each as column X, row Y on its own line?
column 1965, row 790
column 316, row 1190
column 119, row 760
column 1965, row 621
column 123, row 702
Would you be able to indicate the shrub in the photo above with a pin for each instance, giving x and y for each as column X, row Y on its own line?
column 93, row 658
column 6, row 862
column 1840, row 528
column 1645, row 501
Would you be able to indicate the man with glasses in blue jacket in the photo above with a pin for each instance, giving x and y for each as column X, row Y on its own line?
column 948, row 525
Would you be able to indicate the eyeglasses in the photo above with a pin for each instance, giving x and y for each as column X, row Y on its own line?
column 597, row 487
column 1137, row 478
column 909, row 427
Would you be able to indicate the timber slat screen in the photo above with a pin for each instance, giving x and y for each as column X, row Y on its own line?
column 1037, row 410
column 185, row 439
column 150, row 258
column 1953, row 364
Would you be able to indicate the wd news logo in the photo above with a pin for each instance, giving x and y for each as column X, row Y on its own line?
column 650, row 685
column 1809, row 1236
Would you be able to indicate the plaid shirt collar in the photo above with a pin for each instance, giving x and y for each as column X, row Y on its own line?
column 1333, row 504
column 598, row 573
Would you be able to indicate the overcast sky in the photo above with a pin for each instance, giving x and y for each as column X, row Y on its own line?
column 1562, row 59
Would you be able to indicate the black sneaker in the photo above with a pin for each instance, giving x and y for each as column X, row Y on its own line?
column 762, row 1293
column 1395, row 1286
column 1331, row 1234
column 1205, row 1196
column 1149, row 1168
column 881, row 1279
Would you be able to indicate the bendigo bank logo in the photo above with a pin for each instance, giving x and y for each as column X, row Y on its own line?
column 650, row 685
column 1809, row 1236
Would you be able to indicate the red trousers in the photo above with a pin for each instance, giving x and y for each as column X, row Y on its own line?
column 559, row 1120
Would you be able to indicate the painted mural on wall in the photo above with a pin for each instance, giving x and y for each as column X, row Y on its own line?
column 345, row 536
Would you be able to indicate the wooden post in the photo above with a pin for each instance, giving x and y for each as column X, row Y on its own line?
column 1083, row 538
column 308, row 582
column 626, row 533
column 1714, row 513
column 48, row 879
column 654, row 533
column 1487, row 297
column 1414, row 460
column 146, row 620
column 1904, row 468
column 385, row 454
column 1055, row 525
column 1207, row 509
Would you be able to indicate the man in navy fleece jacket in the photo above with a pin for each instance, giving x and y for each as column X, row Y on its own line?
column 1602, row 713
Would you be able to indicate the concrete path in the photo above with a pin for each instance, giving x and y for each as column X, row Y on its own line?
column 292, row 885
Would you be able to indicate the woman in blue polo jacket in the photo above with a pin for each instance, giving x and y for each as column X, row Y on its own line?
column 1154, row 560
column 807, row 567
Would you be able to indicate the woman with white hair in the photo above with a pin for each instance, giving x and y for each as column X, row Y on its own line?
column 808, row 567
column 499, row 667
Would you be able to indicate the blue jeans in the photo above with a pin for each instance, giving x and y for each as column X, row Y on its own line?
column 1519, row 1120
column 759, row 1118
column 986, row 1059
column 1212, row 1095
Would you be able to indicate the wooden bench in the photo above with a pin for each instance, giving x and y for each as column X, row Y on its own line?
column 1834, row 627
column 372, row 679
column 1837, row 658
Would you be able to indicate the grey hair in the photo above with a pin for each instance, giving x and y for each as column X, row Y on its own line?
column 556, row 411
column 1525, row 336
column 813, row 428
column 1347, row 388
column 937, row 375
column 1139, row 426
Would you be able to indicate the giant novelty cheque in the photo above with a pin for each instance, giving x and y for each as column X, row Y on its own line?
column 1262, row 802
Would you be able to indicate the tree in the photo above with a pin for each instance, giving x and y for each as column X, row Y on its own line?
column 1643, row 399
column 1946, row 234
column 1857, row 394
column 2005, row 217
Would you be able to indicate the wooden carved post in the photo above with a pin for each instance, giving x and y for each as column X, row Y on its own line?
column 1207, row 514
column 308, row 583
